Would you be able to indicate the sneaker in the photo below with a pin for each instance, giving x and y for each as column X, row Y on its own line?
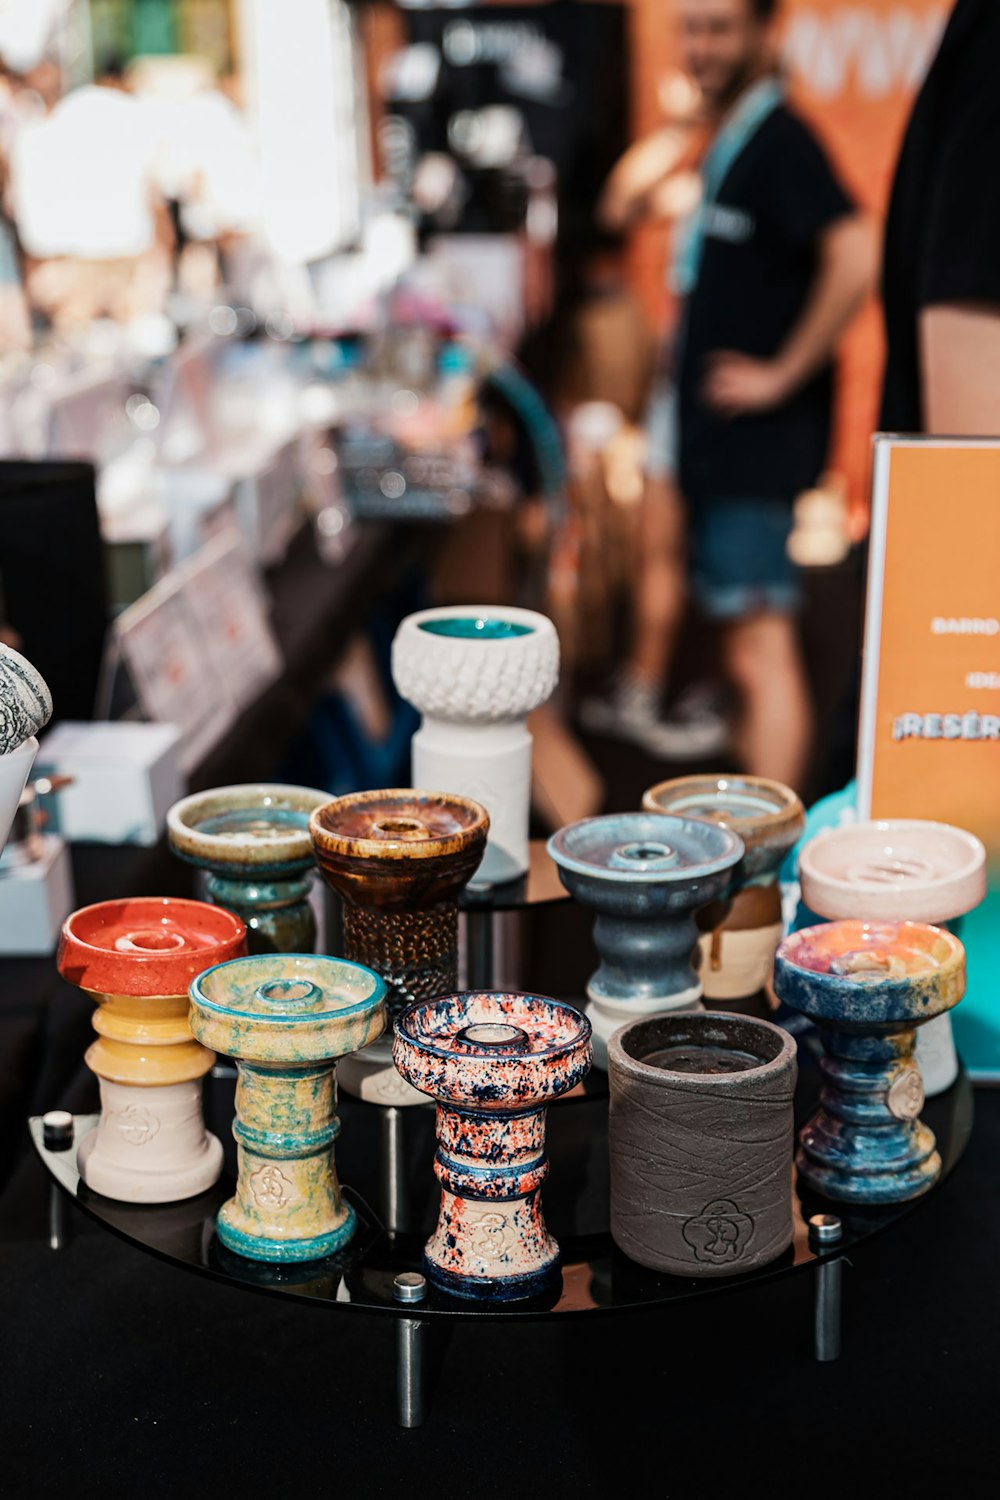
column 627, row 712
column 696, row 726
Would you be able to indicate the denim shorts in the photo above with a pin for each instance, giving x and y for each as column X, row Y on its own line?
column 740, row 562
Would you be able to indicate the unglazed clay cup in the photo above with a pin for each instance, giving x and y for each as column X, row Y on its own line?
column 285, row 1018
column 493, row 1062
column 253, row 840
column 136, row 958
column 737, row 951
column 645, row 875
column 701, row 1132
column 868, row 986
column 475, row 675
column 399, row 859
column 899, row 869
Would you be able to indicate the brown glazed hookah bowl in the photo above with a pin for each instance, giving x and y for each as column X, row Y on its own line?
column 701, row 1132
column 741, row 934
column 399, row 860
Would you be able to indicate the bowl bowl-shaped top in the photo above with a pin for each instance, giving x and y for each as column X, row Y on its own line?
column 870, row 974
column 287, row 1007
column 399, row 845
column 645, row 861
column 767, row 815
column 247, row 830
column 637, row 1050
column 902, row 869
column 492, row 1050
column 463, row 663
column 146, row 946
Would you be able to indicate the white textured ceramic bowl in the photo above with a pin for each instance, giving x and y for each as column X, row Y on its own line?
column 14, row 768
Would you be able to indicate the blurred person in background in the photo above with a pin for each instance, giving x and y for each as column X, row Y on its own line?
column 769, row 269
column 94, row 230
column 941, row 270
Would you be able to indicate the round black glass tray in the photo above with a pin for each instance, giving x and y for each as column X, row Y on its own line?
column 595, row 1276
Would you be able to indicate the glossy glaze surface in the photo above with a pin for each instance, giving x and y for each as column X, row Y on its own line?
column 492, row 1061
column 869, row 986
column 285, row 1018
column 768, row 816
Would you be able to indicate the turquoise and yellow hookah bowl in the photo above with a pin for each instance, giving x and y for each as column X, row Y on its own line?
column 869, row 986
column 286, row 1018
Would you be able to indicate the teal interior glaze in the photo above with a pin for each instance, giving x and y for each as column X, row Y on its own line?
column 476, row 628
column 261, row 822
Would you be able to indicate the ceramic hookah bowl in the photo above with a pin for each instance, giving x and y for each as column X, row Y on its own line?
column 399, row 860
column 136, row 958
column 645, row 875
column 492, row 1062
column 868, row 986
column 899, row 870
column 475, row 676
column 738, row 951
column 253, row 841
column 285, row 1018
column 25, row 709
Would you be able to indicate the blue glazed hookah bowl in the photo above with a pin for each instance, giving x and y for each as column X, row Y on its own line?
column 492, row 1062
column 253, row 841
column 868, row 986
column 286, row 1018
column 645, row 875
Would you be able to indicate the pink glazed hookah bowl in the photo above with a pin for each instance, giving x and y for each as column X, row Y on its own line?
column 136, row 958
column 492, row 1062
column 901, row 870
column 868, row 986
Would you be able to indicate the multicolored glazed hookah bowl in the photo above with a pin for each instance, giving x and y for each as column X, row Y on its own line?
column 868, row 986
column 136, row 958
column 902, row 869
column 475, row 675
column 286, row 1018
column 737, row 952
column 492, row 1062
column 399, row 860
column 253, row 841
column 645, row 874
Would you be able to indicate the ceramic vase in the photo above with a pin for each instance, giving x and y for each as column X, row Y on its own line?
column 902, row 869
column 492, row 1062
column 136, row 958
column 253, row 842
column 286, row 1018
column 868, row 986
column 645, row 875
column 398, row 859
column 737, row 952
column 701, row 1131
column 25, row 708
column 475, row 677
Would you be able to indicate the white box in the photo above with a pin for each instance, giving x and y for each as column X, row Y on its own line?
column 35, row 900
column 125, row 777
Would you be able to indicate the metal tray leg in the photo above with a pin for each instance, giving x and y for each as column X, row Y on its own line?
column 411, row 1404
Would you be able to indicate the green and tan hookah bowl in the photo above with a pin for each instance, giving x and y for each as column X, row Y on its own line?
column 740, row 934
column 286, row 1018
column 253, row 842
column 399, row 859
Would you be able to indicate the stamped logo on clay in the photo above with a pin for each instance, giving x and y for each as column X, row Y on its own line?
column 270, row 1187
column 720, row 1233
column 135, row 1123
column 491, row 1233
column 906, row 1095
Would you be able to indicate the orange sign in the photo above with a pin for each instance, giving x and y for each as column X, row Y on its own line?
column 929, row 737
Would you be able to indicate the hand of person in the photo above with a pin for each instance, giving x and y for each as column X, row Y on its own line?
column 736, row 384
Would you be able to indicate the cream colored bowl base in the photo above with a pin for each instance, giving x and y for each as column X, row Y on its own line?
column 371, row 1075
column 151, row 1145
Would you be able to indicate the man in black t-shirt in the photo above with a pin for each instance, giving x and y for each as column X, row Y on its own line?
column 770, row 269
column 941, row 273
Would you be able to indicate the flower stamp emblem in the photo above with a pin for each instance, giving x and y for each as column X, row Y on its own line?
column 135, row 1123
column 492, row 1236
column 720, row 1233
column 906, row 1095
column 270, row 1187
